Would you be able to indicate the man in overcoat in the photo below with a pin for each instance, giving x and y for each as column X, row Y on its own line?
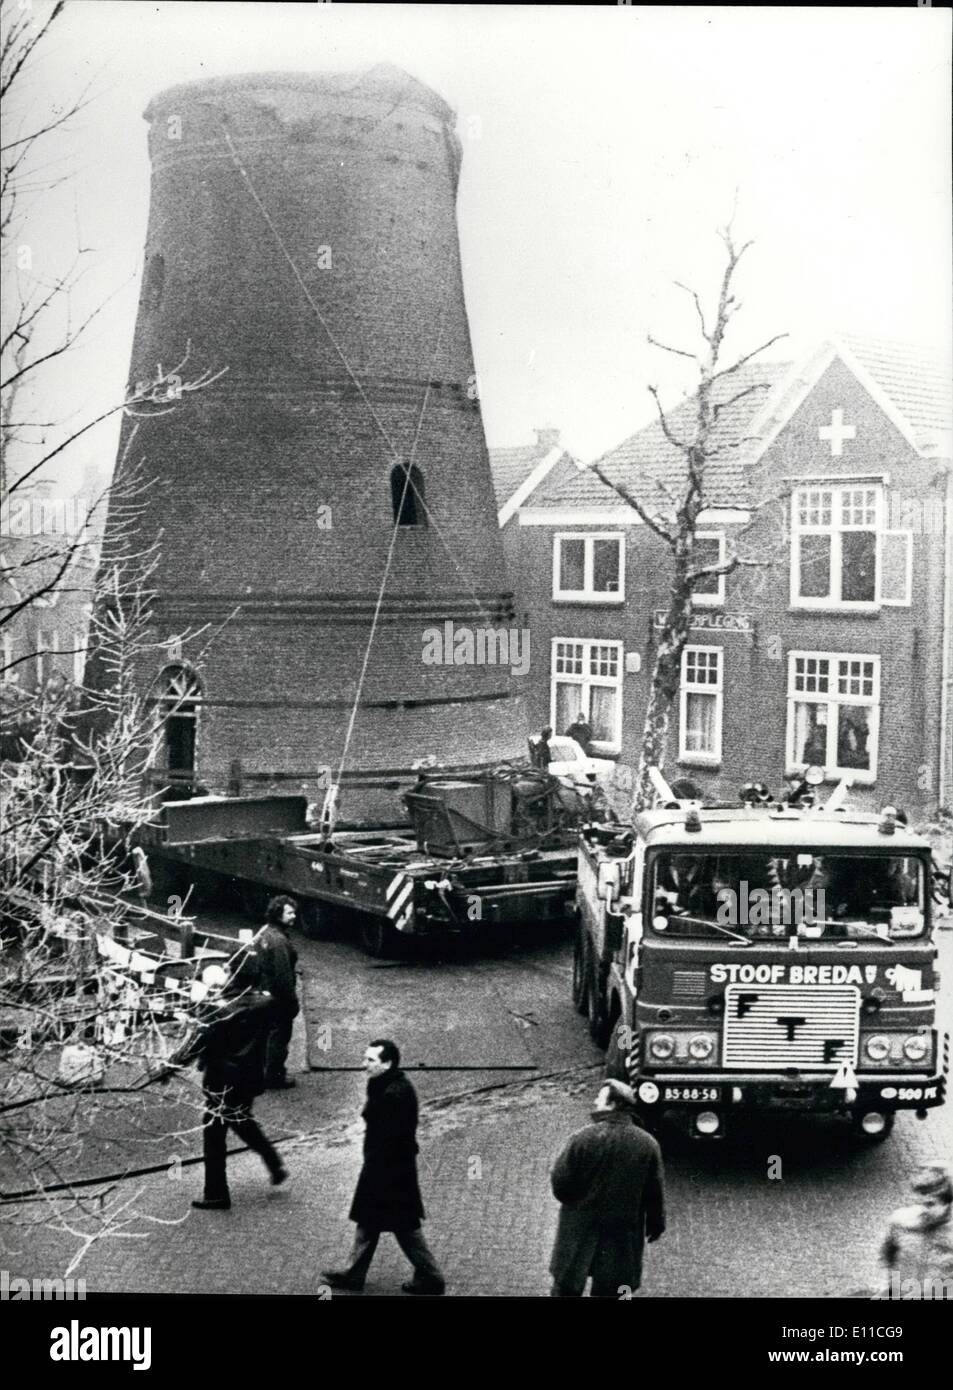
column 229, row 1046
column 387, row 1197
column 609, row 1182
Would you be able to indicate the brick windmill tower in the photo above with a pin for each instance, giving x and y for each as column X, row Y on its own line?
column 327, row 499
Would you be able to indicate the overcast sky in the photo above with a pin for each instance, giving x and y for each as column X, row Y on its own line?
column 602, row 148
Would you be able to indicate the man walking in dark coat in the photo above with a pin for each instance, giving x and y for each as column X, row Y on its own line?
column 230, row 1049
column 609, row 1181
column 278, row 961
column 387, row 1197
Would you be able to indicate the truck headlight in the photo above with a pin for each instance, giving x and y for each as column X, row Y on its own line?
column 701, row 1046
column 661, row 1046
column 877, row 1047
column 915, row 1049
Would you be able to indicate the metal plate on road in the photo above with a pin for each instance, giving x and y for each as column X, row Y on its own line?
column 434, row 1018
column 480, row 1015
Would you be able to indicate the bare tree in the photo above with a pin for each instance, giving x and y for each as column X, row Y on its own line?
column 670, row 505
column 93, row 990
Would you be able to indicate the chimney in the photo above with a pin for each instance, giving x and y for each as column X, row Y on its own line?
column 547, row 438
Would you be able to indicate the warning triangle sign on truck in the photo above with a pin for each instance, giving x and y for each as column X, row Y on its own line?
column 845, row 1079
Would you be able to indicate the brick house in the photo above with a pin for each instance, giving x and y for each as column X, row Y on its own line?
column 832, row 477
column 45, row 636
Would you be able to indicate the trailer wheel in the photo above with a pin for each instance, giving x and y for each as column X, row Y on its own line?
column 378, row 937
column 580, row 974
column 317, row 919
column 254, row 899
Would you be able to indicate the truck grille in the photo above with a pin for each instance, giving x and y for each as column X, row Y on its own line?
column 771, row 1027
column 688, row 984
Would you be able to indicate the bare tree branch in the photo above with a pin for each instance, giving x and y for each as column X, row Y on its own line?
column 635, row 504
column 677, row 352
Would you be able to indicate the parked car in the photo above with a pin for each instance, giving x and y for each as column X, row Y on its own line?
column 568, row 760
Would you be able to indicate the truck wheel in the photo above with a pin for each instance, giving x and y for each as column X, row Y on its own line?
column 650, row 1121
column 599, row 1025
column 378, row 937
column 616, row 1057
column 580, row 975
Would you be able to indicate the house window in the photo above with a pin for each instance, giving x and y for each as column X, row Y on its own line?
column 407, row 495
column 896, row 568
column 589, row 568
column 45, row 647
column 834, row 713
column 709, row 549
column 700, row 705
column 841, row 554
column 587, row 680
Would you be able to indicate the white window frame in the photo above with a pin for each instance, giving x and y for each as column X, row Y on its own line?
column 587, row 594
column 836, row 529
column 831, row 698
column 45, row 651
column 907, row 599
column 587, row 681
column 717, row 599
column 691, row 757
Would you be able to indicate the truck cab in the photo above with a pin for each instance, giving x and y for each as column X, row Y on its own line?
column 737, row 958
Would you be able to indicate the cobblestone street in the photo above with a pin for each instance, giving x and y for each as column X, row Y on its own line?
column 487, row 1143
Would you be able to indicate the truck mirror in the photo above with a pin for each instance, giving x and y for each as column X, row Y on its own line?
column 609, row 880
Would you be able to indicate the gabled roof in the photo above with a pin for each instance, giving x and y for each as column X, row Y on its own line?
column 910, row 384
column 647, row 459
column 511, row 467
column 917, row 381
column 519, row 472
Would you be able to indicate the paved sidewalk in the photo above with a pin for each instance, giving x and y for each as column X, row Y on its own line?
column 484, row 1167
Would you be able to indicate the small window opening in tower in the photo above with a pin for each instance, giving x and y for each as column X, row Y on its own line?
column 407, row 495
column 155, row 281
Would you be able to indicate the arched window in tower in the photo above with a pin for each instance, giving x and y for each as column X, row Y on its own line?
column 179, row 712
column 155, row 281
column 407, row 495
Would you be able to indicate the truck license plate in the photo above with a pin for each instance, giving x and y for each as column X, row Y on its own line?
column 699, row 1094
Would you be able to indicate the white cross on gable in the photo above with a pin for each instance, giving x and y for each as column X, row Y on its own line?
column 837, row 432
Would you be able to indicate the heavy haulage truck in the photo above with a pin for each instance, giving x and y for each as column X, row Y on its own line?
column 735, row 958
column 486, row 849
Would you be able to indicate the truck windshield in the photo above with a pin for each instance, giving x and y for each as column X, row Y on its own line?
column 758, row 895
